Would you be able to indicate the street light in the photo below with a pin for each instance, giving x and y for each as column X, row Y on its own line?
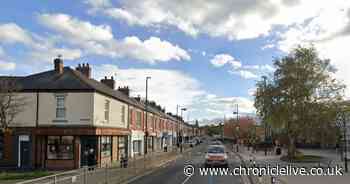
column 341, row 122
column 146, row 107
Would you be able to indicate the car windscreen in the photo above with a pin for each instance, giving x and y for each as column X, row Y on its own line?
column 216, row 150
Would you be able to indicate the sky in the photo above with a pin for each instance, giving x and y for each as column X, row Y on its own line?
column 201, row 54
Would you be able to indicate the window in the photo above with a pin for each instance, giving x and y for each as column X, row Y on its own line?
column 2, row 147
column 60, row 107
column 138, row 119
column 107, row 110
column 130, row 116
column 60, row 147
column 122, row 146
column 123, row 114
column 137, row 147
column 106, row 145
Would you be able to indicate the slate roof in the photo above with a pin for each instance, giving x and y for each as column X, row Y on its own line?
column 72, row 80
column 69, row 80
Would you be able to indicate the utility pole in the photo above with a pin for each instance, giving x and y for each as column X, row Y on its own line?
column 265, row 123
column 345, row 142
column 146, row 121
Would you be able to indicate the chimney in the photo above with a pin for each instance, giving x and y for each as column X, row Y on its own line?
column 108, row 82
column 124, row 90
column 58, row 62
column 85, row 69
column 138, row 98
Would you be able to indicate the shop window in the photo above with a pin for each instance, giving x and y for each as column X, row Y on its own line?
column 106, row 146
column 121, row 146
column 137, row 147
column 60, row 147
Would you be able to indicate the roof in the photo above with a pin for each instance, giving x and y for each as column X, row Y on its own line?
column 72, row 80
column 69, row 80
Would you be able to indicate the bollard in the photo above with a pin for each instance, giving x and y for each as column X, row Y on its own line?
column 273, row 180
column 55, row 179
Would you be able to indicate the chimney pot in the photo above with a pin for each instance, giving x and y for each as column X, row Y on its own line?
column 108, row 82
column 58, row 65
column 84, row 69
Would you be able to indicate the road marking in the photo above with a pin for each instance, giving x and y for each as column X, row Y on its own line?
column 186, row 180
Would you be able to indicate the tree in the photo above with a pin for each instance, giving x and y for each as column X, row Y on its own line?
column 11, row 103
column 299, row 96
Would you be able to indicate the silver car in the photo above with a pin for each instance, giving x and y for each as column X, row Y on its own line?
column 216, row 156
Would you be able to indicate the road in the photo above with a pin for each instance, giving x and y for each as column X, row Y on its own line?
column 173, row 172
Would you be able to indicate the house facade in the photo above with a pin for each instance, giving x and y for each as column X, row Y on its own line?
column 71, row 120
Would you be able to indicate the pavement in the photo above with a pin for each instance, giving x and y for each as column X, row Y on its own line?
column 332, row 159
column 173, row 172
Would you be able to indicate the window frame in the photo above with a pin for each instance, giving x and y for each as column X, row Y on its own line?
column 106, row 146
column 58, row 146
column 107, row 107
column 122, row 114
column 60, row 107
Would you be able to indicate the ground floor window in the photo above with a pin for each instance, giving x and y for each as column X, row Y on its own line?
column 137, row 147
column 60, row 147
column 106, row 145
column 2, row 147
column 122, row 146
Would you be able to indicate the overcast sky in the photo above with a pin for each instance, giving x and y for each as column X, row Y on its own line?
column 202, row 54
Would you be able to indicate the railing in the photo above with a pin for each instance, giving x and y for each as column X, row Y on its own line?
column 109, row 174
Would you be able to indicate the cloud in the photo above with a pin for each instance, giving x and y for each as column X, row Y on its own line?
column 11, row 33
column 7, row 65
column 211, row 106
column 99, row 40
column 223, row 59
column 39, row 48
column 232, row 19
column 328, row 32
column 237, row 68
column 167, row 87
column 245, row 74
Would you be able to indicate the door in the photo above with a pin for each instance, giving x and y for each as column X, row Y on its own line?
column 88, row 151
column 25, row 154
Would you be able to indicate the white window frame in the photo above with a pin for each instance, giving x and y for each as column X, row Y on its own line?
column 107, row 108
column 60, row 107
column 122, row 114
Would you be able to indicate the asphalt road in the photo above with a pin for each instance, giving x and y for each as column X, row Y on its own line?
column 173, row 172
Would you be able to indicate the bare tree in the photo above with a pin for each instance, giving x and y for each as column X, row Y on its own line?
column 11, row 103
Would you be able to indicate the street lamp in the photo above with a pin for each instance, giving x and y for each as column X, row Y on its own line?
column 341, row 122
column 146, row 107
column 265, row 123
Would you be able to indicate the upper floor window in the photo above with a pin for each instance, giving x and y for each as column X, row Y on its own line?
column 138, row 119
column 60, row 106
column 123, row 114
column 107, row 110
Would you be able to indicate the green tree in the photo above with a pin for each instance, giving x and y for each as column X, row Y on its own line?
column 299, row 96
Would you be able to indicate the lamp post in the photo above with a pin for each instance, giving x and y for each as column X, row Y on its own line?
column 265, row 123
column 341, row 123
column 146, row 121
column 181, row 129
column 237, row 120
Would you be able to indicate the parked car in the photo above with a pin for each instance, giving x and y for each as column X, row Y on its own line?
column 216, row 142
column 216, row 156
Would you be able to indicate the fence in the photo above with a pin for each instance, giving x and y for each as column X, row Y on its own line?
column 111, row 174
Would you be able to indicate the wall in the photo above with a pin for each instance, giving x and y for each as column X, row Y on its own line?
column 78, row 106
column 115, row 119
column 27, row 117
